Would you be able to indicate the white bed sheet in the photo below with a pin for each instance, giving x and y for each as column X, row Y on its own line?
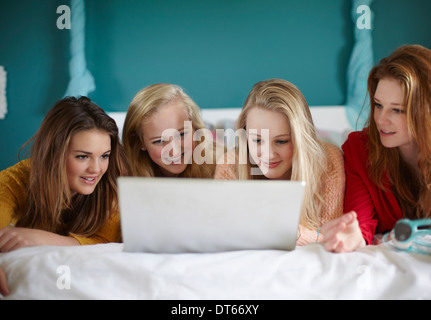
column 106, row 272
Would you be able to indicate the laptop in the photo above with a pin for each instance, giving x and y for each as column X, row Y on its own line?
column 179, row 215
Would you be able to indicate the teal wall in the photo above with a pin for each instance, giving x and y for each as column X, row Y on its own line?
column 215, row 49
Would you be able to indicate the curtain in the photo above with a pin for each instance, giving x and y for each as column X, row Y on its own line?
column 360, row 64
column 81, row 81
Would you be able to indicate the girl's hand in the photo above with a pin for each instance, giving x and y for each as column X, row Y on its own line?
column 342, row 234
column 12, row 238
column 3, row 284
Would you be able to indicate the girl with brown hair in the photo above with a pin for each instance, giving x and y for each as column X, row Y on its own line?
column 66, row 193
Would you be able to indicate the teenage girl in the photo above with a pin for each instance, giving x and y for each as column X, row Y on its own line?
column 65, row 193
column 280, row 142
column 388, row 164
column 164, row 135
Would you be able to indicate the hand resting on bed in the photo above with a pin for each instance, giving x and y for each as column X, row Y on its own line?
column 3, row 284
column 12, row 238
column 342, row 234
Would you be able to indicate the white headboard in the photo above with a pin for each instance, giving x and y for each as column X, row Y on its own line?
column 331, row 121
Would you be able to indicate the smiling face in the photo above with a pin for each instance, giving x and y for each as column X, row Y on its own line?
column 87, row 160
column 167, row 137
column 269, row 142
column 390, row 116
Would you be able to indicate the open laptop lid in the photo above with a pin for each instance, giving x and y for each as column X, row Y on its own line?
column 178, row 215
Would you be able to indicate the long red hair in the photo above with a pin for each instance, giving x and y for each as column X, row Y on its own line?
column 411, row 66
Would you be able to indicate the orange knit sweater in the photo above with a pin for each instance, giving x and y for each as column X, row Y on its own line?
column 333, row 192
column 13, row 189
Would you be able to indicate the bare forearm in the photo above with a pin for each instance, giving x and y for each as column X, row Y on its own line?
column 12, row 238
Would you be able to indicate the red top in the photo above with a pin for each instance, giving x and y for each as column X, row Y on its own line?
column 377, row 210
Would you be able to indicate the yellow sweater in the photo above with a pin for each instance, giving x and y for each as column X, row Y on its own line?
column 333, row 192
column 13, row 190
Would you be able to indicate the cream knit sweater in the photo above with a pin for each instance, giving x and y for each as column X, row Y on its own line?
column 333, row 190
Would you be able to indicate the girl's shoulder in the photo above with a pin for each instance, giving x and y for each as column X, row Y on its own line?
column 355, row 149
column 334, row 154
column 355, row 140
column 226, row 168
column 18, row 172
column 13, row 192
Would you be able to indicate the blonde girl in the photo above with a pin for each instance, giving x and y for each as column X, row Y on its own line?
column 280, row 142
column 164, row 135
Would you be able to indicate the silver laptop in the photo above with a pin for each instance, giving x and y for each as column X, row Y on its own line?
column 163, row 215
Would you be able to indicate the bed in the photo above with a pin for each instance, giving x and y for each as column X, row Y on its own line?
column 324, row 118
column 105, row 271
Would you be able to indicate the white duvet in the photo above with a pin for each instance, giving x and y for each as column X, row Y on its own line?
column 106, row 272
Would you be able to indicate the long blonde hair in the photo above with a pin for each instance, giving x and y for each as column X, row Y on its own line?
column 51, row 207
column 147, row 102
column 411, row 66
column 310, row 161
